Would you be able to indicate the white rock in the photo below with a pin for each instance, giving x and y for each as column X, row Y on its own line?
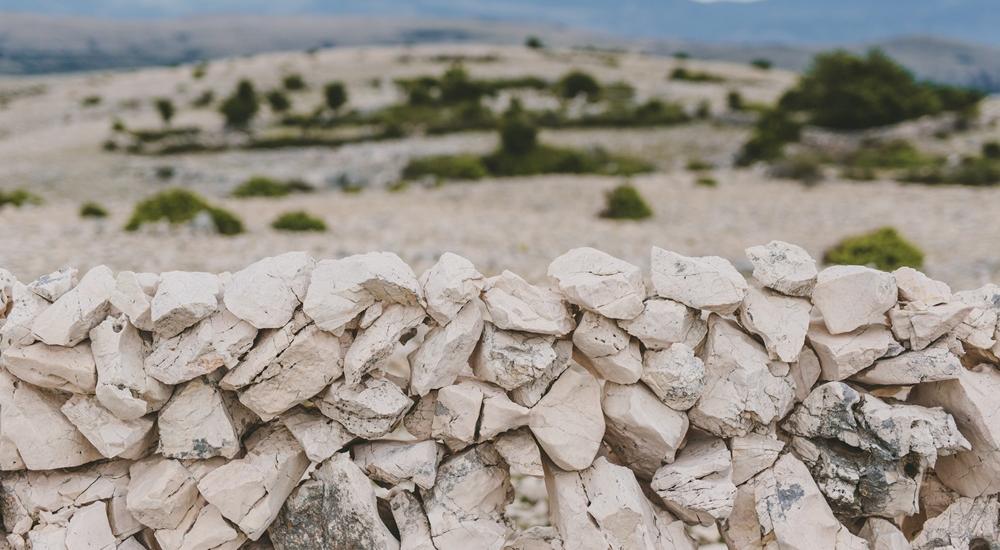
column 599, row 282
column 922, row 325
column 24, row 307
column 851, row 296
column 707, row 282
column 568, row 422
column 202, row 527
column 913, row 367
column 408, row 513
column 513, row 304
column 160, row 492
column 341, row 289
column 521, row 453
column 107, row 433
column 568, row 502
column 610, row 350
column 89, row 529
column 752, row 454
column 270, row 344
column 215, row 342
column 513, row 359
column 394, row 462
column 446, row 350
column 456, row 415
column 784, row 267
column 182, row 299
column 266, row 293
column 133, row 296
column 465, row 507
column 641, row 430
column 46, row 537
column 198, row 422
column 55, row 367
column 882, row 534
column 10, row 458
column 968, row 523
column 45, row 439
column 619, row 506
column 842, row 355
column 251, row 490
column 450, row 284
column 914, row 286
column 805, row 372
column 979, row 329
column 306, row 367
column 499, row 415
column 675, row 375
column 69, row 319
column 780, row 321
column 698, row 486
column 123, row 385
column 373, row 347
column 664, row 323
column 55, row 284
column 369, row 411
column 318, row 435
column 743, row 389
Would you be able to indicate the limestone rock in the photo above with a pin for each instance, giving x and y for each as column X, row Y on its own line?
column 568, row 422
column 373, row 347
column 752, row 454
column 89, row 529
column 882, row 534
column 69, row 319
column 306, row 367
column 250, row 491
column 319, row 436
column 45, row 438
column 394, row 462
column 55, row 367
column 843, row 355
column 446, row 350
column 921, row 325
column 698, row 486
column 784, row 267
column 55, row 284
column 707, row 282
column 408, row 513
column 369, row 411
column 780, row 321
column 913, row 367
column 133, row 296
column 741, row 389
column 599, row 282
column 107, row 433
column 160, row 492
column 202, row 527
column 968, row 523
column 521, row 453
column 456, row 415
column 914, row 286
column 217, row 341
column 10, row 458
column 852, row 296
column 676, row 375
column 513, row 304
column 610, row 350
column 529, row 394
column 267, row 292
column 198, row 422
column 270, row 344
column 499, row 415
column 24, row 307
column 805, row 372
column 641, row 430
column 664, row 323
column 465, row 506
column 123, row 385
column 449, row 285
column 341, row 289
column 182, row 299
column 568, row 502
column 513, row 359
column 979, row 328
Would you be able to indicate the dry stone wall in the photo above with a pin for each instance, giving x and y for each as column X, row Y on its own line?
column 349, row 404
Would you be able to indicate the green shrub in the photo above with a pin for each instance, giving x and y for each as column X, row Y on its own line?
column 335, row 95
column 293, row 82
column 698, row 165
column 625, row 203
column 518, row 135
column 683, row 73
column 457, row 87
column 882, row 248
column 681, row 55
column 240, row 107
column 204, row 99
column 803, row 167
column 166, row 109
column 704, row 109
column 991, row 150
column 858, row 173
column 706, row 182
column 177, row 206
column 575, row 83
column 91, row 101
column 164, row 172
column 298, row 221
column 734, row 100
column 761, row 63
column 199, row 70
column 975, row 171
column 773, row 130
column 534, row 43
column 92, row 210
column 261, row 186
column 278, row 101
column 450, row 167
column 18, row 198
column 897, row 154
column 117, row 125
column 544, row 159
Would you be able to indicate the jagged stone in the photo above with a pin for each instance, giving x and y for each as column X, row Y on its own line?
column 752, row 454
column 270, row 344
column 133, row 296
column 370, row 411
column 500, row 414
column 161, row 491
column 914, row 286
column 182, row 299
column 10, row 458
column 107, row 433
column 89, row 529
column 513, row 304
column 784, row 267
column 568, row 422
column 198, row 422
column 664, row 323
column 449, row 285
column 968, row 523
column 610, row 350
column 921, row 325
column 535, row 538
column 978, row 331
column 24, row 307
column 843, row 355
column 55, row 284
column 267, row 292
column 408, row 513
column 568, row 504
column 373, row 346
column 676, row 375
column 202, row 527
column 852, row 296
column 319, row 436
column 913, row 367
column 341, row 289
column 529, row 394
column 69, row 319
column 217, row 341
column 882, row 534
column 123, row 385
column 465, row 506
column 707, row 282
column 394, row 462
column 513, row 359
column 45, row 439
column 742, row 389
column 805, row 372
column 419, row 421
column 456, row 415
column 599, row 282
column 250, row 491
column 780, row 321
column 446, row 350
column 521, row 453
column 698, row 486
column 54, row 367
column 641, row 430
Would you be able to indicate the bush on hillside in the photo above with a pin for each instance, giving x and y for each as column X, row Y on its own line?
column 335, row 95
column 278, row 101
column 975, row 171
column 883, row 248
column 446, row 167
column 762, row 64
column 204, row 99
column 293, row 82
column 18, row 198
column 991, row 150
column 92, row 210
column 774, row 129
column 298, row 220
column 576, row 83
column 625, row 203
column 534, row 43
column 734, row 100
column 518, row 134
column 260, row 186
column 804, row 167
column 240, row 107
column 177, row 206
column 706, row 181
column 689, row 75
column 165, row 108
column 544, row 159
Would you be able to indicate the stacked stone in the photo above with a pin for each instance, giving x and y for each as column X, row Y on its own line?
column 349, row 404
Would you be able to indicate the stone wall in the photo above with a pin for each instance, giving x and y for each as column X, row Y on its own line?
column 349, row 404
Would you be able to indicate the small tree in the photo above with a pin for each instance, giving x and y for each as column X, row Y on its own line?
column 278, row 101
column 762, row 63
column 166, row 109
column 576, row 83
column 518, row 136
column 293, row 82
column 534, row 43
column 734, row 100
column 240, row 107
column 335, row 94
column 625, row 203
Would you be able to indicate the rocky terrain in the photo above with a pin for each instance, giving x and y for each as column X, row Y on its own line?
column 348, row 403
